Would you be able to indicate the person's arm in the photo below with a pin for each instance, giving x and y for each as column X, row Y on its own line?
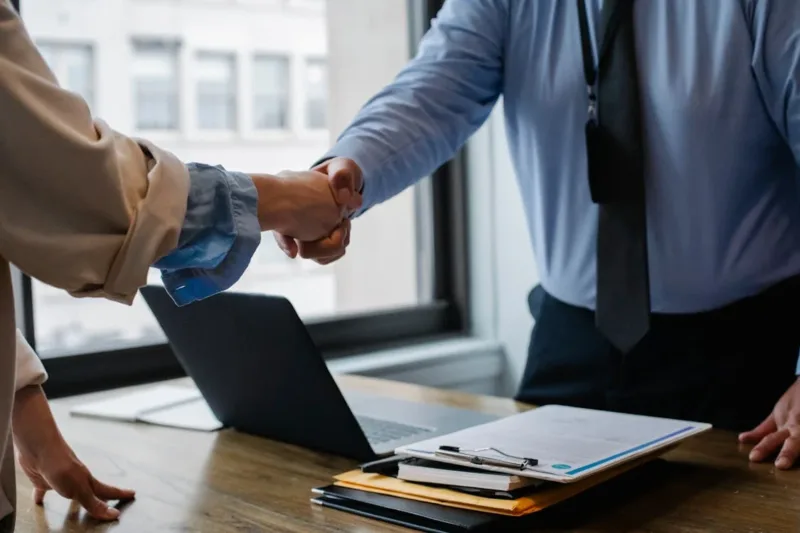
column 89, row 210
column 775, row 26
column 436, row 102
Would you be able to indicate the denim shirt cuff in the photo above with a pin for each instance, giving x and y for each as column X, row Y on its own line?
column 219, row 238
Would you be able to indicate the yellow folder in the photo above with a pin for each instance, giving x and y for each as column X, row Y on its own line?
column 537, row 501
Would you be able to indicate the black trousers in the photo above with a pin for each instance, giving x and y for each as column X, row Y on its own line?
column 727, row 367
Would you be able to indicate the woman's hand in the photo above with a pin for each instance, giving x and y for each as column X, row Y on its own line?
column 304, row 205
column 51, row 464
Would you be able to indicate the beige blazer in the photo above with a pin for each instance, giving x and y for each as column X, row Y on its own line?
column 82, row 208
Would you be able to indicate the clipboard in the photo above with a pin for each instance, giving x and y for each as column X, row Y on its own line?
column 556, row 443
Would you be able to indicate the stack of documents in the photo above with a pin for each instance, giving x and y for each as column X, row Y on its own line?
column 468, row 478
column 560, row 452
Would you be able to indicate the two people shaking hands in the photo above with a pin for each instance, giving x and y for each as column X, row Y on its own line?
column 306, row 224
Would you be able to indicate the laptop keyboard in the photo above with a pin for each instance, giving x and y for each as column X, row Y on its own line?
column 380, row 431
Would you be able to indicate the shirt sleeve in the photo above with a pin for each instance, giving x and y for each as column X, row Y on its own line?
column 775, row 25
column 220, row 234
column 30, row 370
column 776, row 63
column 438, row 100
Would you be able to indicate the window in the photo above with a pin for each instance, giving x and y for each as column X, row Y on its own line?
column 385, row 290
column 216, row 91
column 155, row 85
column 271, row 92
column 73, row 66
column 306, row 4
column 316, row 94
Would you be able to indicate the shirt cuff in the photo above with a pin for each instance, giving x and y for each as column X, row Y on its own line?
column 364, row 156
column 220, row 234
column 30, row 370
column 359, row 191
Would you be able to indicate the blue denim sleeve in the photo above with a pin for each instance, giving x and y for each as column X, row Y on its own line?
column 219, row 236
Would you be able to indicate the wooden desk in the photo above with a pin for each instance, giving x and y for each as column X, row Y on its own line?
column 228, row 482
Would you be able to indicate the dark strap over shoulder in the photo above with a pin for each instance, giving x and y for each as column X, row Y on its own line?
column 611, row 25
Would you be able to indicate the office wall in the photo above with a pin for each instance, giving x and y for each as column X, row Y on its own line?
column 501, row 258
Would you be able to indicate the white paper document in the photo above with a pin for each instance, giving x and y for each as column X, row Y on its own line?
column 569, row 443
column 191, row 415
column 181, row 407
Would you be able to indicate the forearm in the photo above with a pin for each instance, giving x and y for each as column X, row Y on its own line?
column 407, row 131
column 445, row 93
column 31, row 419
column 33, row 425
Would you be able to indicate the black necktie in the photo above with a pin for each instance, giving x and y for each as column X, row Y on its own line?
column 616, row 178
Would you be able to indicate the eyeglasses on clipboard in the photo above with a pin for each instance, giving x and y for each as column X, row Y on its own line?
column 474, row 457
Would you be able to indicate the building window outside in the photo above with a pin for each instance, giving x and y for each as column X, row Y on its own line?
column 316, row 94
column 73, row 66
column 155, row 86
column 271, row 80
column 215, row 75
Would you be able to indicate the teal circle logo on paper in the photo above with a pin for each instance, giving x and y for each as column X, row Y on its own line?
column 561, row 467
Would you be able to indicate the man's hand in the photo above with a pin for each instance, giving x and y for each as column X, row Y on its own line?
column 342, row 174
column 780, row 431
column 50, row 463
column 303, row 205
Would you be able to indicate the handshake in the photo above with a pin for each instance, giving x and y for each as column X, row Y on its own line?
column 309, row 212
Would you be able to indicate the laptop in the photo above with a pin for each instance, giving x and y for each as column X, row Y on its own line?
column 254, row 362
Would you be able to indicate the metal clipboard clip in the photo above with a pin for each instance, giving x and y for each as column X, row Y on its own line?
column 474, row 457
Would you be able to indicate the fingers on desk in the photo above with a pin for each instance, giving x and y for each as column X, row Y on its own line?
column 764, row 428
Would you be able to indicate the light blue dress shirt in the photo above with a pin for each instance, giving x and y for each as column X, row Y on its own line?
column 219, row 236
column 720, row 82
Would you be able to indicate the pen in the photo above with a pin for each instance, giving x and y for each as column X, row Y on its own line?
column 454, row 452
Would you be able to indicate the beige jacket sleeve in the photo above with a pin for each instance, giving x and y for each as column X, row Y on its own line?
column 30, row 370
column 82, row 207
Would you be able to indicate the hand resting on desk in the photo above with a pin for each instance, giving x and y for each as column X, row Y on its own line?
column 50, row 463
column 779, row 431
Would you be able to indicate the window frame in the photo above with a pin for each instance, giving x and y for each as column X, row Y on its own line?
column 253, row 94
column 307, row 61
column 197, row 57
column 59, row 46
column 445, row 316
column 136, row 45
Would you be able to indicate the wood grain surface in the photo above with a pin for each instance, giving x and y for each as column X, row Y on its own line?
column 229, row 482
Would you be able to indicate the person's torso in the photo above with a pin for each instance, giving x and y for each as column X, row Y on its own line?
column 723, row 200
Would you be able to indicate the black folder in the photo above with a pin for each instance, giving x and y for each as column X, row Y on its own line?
column 413, row 514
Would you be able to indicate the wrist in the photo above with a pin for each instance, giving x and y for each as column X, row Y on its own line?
column 26, row 398
column 273, row 201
